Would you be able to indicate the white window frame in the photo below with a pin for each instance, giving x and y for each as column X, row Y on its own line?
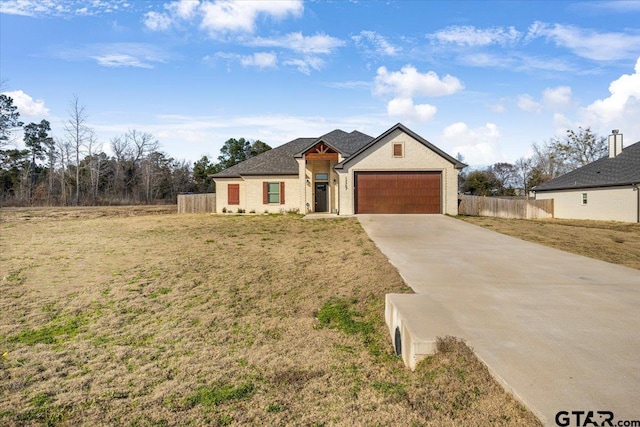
column 583, row 199
column 270, row 193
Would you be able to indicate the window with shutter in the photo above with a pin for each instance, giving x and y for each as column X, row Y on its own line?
column 272, row 192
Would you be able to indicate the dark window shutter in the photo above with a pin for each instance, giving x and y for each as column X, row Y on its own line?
column 233, row 194
column 265, row 192
column 282, row 193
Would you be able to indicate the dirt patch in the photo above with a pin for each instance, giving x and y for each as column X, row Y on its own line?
column 615, row 242
column 146, row 319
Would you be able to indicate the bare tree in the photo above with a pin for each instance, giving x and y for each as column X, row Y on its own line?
column 522, row 174
column 64, row 152
column 78, row 134
column 505, row 175
column 580, row 148
column 94, row 149
column 143, row 145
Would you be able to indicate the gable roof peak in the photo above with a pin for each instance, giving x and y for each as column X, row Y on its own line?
column 399, row 126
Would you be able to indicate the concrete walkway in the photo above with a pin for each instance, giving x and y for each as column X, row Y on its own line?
column 561, row 331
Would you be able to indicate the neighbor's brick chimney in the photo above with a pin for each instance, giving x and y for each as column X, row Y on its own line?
column 615, row 143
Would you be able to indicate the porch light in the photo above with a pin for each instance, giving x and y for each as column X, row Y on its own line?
column 308, row 182
column 334, row 181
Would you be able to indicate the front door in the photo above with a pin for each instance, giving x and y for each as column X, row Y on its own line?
column 321, row 197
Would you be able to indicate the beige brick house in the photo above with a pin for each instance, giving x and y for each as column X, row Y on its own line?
column 344, row 173
column 607, row 189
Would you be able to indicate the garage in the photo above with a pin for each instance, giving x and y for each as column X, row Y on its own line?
column 398, row 192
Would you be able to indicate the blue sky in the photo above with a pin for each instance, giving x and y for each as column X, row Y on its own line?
column 484, row 79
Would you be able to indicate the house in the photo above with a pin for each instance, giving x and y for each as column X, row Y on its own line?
column 607, row 189
column 344, row 173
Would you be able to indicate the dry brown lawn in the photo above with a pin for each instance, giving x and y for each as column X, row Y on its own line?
column 134, row 316
column 615, row 242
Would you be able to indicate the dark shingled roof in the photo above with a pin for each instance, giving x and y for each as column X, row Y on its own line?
column 624, row 169
column 345, row 143
column 281, row 160
column 278, row 161
column 353, row 142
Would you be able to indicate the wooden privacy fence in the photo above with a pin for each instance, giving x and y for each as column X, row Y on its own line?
column 197, row 203
column 504, row 208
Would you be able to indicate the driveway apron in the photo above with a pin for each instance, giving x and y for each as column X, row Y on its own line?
column 560, row 331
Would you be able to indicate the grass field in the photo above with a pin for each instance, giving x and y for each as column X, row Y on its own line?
column 615, row 242
column 138, row 316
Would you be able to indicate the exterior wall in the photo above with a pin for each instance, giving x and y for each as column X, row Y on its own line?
column 313, row 167
column 222, row 196
column 416, row 157
column 251, row 194
column 607, row 204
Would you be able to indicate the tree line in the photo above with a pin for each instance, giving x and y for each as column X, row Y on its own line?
column 75, row 170
column 548, row 161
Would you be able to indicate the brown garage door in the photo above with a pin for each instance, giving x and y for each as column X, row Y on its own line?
column 397, row 192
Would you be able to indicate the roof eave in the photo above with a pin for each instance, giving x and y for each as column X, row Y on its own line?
column 300, row 154
column 582, row 187
column 457, row 164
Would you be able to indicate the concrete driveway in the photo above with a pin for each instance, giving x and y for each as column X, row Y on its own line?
column 561, row 331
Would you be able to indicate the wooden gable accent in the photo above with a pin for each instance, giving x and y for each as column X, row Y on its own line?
column 321, row 151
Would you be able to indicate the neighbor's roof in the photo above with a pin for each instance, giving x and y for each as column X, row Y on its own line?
column 399, row 126
column 281, row 160
column 624, row 169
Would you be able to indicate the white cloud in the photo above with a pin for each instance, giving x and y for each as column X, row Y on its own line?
column 528, row 104
column 260, row 60
column 557, row 98
column 404, row 107
column 621, row 109
column 468, row 35
column 498, row 108
column 139, row 55
column 588, row 43
column 27, row 106
column 224, row 16
column 39, row 8
column 304, row 65
column 515, row 61
column 221, row 17
column 562, row 123
column 116, row 60
column 619, row 6
column 320, row 43
column 479, row 146
column 380, row 45
column 183, row 9
column 157, row 21
column 350, row 84
column 408, row 82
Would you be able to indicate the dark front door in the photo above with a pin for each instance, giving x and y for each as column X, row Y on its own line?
column 321, row 197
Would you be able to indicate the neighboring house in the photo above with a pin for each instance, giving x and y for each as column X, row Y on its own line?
column 607, row 189
column 344, row 173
